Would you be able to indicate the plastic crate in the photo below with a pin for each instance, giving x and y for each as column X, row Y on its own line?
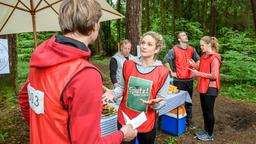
column 173, row 124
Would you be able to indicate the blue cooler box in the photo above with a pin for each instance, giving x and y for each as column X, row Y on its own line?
column 173, row 125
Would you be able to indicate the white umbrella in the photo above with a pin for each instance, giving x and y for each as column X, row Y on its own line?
column 17, row 16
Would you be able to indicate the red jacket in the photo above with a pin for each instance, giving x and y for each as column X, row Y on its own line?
column 181, row 61
column 82, row 96
column 205, row 67
column 141, row 86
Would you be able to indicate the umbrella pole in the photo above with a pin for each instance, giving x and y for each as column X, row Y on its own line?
column 34, row 31
column 33, row 14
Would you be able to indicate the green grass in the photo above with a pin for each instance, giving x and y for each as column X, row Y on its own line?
column 22, row 72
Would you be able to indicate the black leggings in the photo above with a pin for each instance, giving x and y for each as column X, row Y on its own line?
column 144, row 138
column 207, row 105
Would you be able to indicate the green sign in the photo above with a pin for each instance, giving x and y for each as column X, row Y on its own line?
column 138, row 89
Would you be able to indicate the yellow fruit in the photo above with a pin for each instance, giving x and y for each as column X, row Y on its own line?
column 172, row 89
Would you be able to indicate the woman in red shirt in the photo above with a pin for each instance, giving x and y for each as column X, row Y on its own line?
column 208, row 73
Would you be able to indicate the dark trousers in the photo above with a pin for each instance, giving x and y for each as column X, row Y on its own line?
column 207, row 105
column 144, row 138
column 186, row 85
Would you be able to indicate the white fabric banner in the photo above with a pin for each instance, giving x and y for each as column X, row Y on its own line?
column 4, row 57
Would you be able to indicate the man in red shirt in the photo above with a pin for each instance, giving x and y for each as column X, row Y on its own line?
column 61, row 100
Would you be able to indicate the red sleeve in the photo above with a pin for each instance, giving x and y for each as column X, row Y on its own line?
column 23, row 101
column 83, row 97
column 214, row 70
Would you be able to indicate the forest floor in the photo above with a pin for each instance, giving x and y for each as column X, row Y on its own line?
column 235, row 123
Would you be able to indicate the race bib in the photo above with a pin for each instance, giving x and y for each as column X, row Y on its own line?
column 138, row 89
column 36, row 100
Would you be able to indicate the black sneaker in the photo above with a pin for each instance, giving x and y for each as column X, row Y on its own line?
column 191, row 125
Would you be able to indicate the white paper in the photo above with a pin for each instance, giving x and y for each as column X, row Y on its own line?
column 137, row 121
column 4, row 57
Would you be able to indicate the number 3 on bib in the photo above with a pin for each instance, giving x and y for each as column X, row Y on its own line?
column 36, row 100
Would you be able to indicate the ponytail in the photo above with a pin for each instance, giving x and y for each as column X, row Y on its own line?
column 214, row 44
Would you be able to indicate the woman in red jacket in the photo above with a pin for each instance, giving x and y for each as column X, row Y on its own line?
column 143, row 87
column 208, row 73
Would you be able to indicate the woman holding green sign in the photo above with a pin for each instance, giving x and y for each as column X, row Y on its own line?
column 143, row 87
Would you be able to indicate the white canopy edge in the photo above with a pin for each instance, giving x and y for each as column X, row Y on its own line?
column 46, row 20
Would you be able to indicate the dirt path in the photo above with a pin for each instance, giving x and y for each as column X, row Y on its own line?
column 235, row 123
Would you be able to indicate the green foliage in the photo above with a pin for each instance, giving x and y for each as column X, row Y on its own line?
column 192, row 29
column 169, row 40
column 25, row 43
column 240, row 91
column 238, row 70
column 239, row 56
column 23, row 68
column 3, row 136
column 236, row 40
column 171, row 140
column 238, row 67
column 25, row 47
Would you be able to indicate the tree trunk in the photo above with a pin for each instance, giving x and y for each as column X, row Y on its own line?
column 204, row 14
column 147, row 15
column 173, row 17
column 213, row 17
column 188, row 9
column 162, row 15
column 119, row 21
column 13, row 59
column 177, row 8
column 253, row 3
column 133, row 23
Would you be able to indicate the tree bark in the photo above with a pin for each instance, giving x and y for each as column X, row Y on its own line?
column 147, row 15
column 213, row 17
column 203, row 14
column 162, row 15
column 133, row 23
column 119, row 21
column 188, row 9
column 177, row 8
column 253, row 4
column 173, row 17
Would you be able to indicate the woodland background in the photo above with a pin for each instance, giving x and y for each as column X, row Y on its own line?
column 233, row 22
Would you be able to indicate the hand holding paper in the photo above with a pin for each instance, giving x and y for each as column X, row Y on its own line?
column 128, row 132
column 137, row 121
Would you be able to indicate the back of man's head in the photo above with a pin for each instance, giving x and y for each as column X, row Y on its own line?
column 79, row 16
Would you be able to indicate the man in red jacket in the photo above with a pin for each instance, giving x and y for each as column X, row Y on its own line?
column 61, row 100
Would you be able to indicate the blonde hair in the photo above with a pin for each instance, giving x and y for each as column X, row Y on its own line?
column 79, row 16
column 160, row 43
column 213, row 41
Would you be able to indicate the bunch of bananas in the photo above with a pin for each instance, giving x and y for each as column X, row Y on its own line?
column 172, row 89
